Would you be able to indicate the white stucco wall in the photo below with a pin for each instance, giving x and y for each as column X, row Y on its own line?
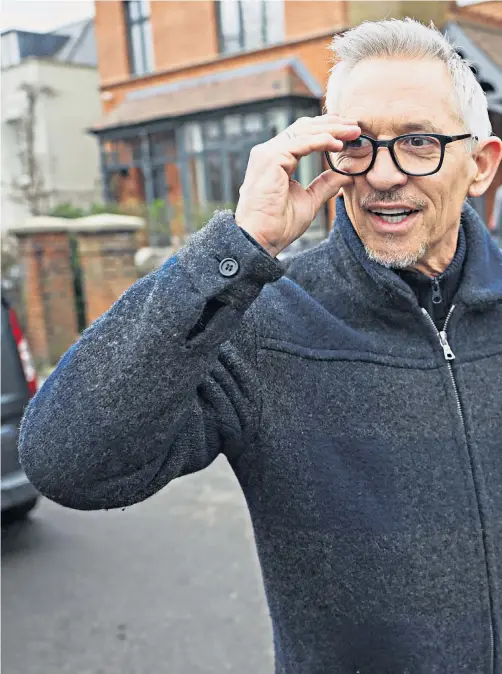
column 67, row 155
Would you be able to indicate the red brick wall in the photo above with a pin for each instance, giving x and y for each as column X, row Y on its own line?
column 186, row 37
column 35, row 315
column 51, row 321
column 175, row 197
column 312, row 52
column 175, row 22
column 307, row 17
column 183, row 32
column 111, row 41
column 107, row 261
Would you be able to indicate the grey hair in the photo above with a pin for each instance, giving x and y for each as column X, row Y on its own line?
column 410, row 39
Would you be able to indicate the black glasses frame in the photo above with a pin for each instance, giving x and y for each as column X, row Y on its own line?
column 444, row 140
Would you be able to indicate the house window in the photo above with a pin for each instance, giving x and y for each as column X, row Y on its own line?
column 139, row 36
column 190, row 167
column 249, row 24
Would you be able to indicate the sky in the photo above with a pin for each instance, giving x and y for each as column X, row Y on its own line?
column 43, row 15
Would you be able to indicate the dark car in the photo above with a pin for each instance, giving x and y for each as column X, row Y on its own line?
column 18, row 385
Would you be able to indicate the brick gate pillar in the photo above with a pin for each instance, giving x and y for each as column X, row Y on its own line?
column 106, row 244
column 49, row 296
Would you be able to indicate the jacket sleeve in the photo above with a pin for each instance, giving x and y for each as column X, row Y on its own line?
column 159, row 385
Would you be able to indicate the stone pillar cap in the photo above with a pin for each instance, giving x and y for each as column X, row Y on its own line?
column 103, row 222
column 106, row 222
column 40, row 224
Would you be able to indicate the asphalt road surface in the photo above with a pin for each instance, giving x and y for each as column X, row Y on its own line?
column 169, row 586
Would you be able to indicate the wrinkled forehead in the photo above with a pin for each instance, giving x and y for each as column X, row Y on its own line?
column 390, row 97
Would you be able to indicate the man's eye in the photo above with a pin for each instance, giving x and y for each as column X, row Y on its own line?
column 358, row 144
column 420, row 141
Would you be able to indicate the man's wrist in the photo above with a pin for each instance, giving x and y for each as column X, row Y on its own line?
column 260, row 242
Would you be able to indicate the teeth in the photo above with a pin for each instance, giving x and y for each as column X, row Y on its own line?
column 393, row 218
column 392, row 211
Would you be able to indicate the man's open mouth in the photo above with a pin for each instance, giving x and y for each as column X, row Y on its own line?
column 393, row 215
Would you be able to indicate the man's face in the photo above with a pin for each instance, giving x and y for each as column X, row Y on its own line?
column 390, row 98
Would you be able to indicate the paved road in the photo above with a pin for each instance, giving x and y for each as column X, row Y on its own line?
column 170, row 586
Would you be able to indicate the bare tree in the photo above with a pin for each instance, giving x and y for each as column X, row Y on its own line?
column 29, row 188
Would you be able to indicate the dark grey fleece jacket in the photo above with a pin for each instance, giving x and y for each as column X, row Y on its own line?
column 371, row 464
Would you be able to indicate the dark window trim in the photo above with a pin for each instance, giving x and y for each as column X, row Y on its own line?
column 141, row 21
column 264, row 23
column 292, row 104
column 167, row 123
column 242, row 42
column 242, row 33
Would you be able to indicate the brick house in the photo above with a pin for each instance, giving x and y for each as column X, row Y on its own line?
column 188, row 88
column 476, row 29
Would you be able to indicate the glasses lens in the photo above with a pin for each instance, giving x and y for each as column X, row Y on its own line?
column 418, row 154
column 354, row 157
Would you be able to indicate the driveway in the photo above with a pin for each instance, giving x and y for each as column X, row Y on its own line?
column 170, row 586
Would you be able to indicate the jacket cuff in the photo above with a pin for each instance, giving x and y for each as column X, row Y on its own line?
column 255, row 242
column 224, row 263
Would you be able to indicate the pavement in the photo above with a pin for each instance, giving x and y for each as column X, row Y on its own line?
column 169, row 586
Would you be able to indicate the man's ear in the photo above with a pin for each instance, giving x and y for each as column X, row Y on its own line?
column 487, row 157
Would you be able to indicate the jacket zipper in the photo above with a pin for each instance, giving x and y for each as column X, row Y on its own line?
column 449, row 356
column 437, row 295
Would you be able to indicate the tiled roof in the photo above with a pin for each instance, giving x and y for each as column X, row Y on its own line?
column 264, row 81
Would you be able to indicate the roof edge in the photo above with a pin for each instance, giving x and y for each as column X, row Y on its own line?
column 221, row 58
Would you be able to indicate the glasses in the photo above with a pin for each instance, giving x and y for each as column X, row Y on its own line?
column 414, row 154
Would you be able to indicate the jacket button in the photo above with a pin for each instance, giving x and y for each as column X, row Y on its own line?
column 229, row 267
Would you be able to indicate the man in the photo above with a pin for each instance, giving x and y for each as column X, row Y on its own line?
column 357, row 401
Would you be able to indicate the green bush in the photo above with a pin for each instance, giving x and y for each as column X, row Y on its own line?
column 110, row 207
column 157, row 215
column 66, row 210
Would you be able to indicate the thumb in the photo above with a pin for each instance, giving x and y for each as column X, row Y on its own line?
column 326, row 186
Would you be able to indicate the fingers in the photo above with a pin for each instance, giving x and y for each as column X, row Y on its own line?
column 338, row 129
column 301, row 146
column 325, row 123
column 287, row 152
column 305, row 136
column 298, row 138
column 322, row 120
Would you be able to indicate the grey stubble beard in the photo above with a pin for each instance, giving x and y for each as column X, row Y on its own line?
column 390, row 259
column 396, row 260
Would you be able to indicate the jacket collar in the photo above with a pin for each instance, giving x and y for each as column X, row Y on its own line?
column 481, row 281
column 452, row 273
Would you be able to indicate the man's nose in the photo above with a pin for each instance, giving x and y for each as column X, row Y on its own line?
column 384, row 175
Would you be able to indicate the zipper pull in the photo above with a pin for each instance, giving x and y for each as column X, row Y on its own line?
column 448, row 353
column 437, row 297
